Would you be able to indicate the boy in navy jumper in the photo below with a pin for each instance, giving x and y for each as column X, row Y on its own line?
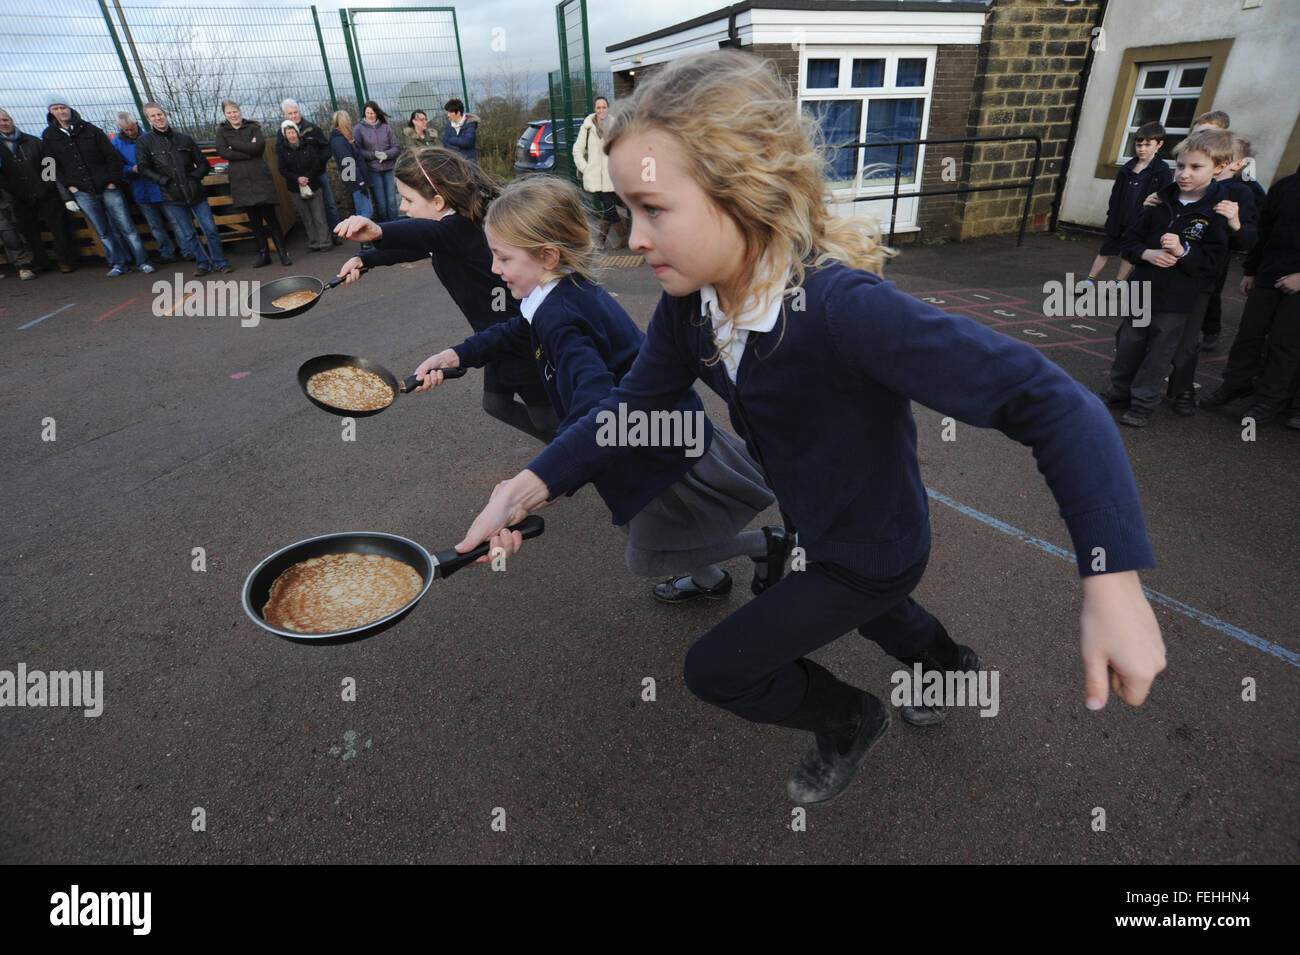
column 1272, row 311
column 1239, row 210
column 1142, row 175
column 1177, row 247
column 778, row 306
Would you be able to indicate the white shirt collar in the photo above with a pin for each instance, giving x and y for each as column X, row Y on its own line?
column 762, row 318
column 531, row 302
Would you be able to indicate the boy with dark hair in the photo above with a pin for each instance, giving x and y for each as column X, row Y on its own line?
column 1142, row 175
column 1177, row 246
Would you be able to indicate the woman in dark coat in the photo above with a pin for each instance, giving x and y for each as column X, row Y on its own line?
column 303, row 166
column 252, row 187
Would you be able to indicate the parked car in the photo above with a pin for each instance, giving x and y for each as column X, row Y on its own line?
column 535, row 151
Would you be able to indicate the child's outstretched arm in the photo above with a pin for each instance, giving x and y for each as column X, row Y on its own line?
column 961, row 368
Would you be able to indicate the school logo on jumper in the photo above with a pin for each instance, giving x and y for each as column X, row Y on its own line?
column 1197, row 229
column 210, row 299
column 652, row 429
column 1084, row 299
column 56, row 688
column 916, row 687
column 75, row 907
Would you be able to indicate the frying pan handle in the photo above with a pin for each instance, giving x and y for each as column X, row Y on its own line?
column 449, row 561
column 411, row 382
column 343, row 278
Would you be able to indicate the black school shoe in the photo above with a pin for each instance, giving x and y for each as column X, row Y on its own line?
column 1135, row 418
column 1263, row 412
column 779, row 545
column 1224, row 395
column 967, row 660
column 1185, row 404
column 1209, row 342
column 1110, row 398
column 846, row 723
column 681, row 589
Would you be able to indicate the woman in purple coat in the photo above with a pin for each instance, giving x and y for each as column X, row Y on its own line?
column 378, row 145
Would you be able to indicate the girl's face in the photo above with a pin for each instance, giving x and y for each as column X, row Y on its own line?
column 521, row 271
column 684, row 236
column 418, row 207
column 371, row 115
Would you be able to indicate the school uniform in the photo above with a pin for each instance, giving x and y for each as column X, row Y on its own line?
column 1270, row 315
column 460, row 255
column 1143, row 354
column 822, row 403
column 679, row 510
column 1206, row 315
column 1126, row 197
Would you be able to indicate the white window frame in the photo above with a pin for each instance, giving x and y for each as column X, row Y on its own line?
column 1167, row 93
column 890, row 90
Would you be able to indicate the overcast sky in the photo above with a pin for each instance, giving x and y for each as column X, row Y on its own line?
column 34, row 43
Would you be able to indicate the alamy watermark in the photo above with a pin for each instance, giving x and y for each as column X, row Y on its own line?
column 78, row 688
column 76, row 907
column 918, row 687
column 652, row 429
column 212, row 298
column 1089, row 299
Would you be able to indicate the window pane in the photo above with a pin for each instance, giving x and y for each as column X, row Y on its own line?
column 1172, row 139
column 911, row 73
column 889, row 120
column 823, row 74
column 868, row 73
column 1193, row 78
column 839, row 121
column 1181, row 112
column 1156, row 80
column 1148, row 111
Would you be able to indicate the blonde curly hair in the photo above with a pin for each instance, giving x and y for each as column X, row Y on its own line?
column 764, row 165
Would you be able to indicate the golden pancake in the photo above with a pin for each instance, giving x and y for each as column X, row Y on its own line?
column 339, row 592
column 350, row 389
column 294, row 299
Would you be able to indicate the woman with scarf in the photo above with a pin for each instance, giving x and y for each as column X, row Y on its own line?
column 378, row 145
column 252, row 187
column 593, row 165
column 303, row 167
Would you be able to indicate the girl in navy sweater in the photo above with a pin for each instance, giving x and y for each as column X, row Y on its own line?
column 685, row 495
column 446, row 199
column 778, row 307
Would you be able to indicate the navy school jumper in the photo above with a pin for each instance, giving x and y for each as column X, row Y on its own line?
column 584, row 343
column 463, row 262
column 822, row 401
column 1205, row 234
column 1130, row 191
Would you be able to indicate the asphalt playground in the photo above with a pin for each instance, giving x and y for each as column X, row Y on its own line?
column 505, row 719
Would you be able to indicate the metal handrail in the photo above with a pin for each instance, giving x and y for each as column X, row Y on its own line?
column 898, row 171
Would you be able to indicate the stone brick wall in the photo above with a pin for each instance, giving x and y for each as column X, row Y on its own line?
column 954, row 78
column 1031, row 60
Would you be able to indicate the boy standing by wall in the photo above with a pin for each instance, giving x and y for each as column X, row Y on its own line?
column 1177, row 246
column 1142, row 175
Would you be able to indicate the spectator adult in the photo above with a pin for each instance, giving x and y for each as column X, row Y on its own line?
column 593, row 165
column 314, row 136
column 173, row 160
column 461, row 132
column 19, row 257
column 35, row 198
column 252, row 187
column 352, row 165
column 90, row 169
column 303, row 167
column 377, row 142
column 416, row 132
column 146, row 193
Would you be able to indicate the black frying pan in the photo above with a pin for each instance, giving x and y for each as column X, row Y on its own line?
column 325, row 362
column 444, row 563
column 259, row 301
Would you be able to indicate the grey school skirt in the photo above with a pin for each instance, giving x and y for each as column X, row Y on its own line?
column 695, row 522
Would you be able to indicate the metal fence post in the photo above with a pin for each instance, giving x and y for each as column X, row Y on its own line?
column 329, row 80
column 344, row 19
column 464, row 87
column 121, row 58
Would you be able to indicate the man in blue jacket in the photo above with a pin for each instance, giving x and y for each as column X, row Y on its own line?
column 146, row 193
